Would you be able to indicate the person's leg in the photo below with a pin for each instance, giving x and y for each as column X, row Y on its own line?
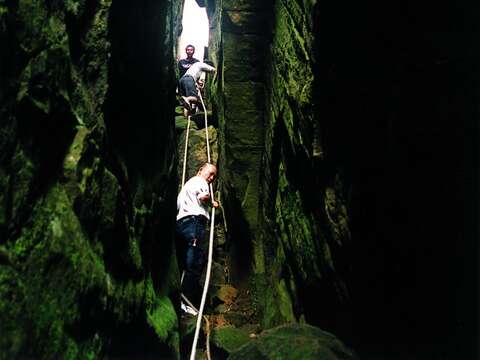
column 180, row 247
column 186, row 231
column 195, row 261
column 184, row 85
column 191, row 92
column 191, row 286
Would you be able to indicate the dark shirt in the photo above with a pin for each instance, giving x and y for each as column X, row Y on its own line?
column 184, row 64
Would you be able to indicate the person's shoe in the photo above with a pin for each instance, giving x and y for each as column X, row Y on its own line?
column 187, row 309
column 185, row 103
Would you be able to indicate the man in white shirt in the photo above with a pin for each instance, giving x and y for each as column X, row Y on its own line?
column 187, row 84
column 193, row 212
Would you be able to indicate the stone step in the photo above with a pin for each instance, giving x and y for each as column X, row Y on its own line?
column 198, row 120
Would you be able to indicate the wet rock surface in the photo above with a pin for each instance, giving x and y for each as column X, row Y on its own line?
column 345, row 141
column 86, row 271
column 294, row 341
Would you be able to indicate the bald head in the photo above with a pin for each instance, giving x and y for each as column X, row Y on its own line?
column 208, row 172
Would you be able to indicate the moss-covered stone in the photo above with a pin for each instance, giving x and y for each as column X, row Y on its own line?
column 294, row 342
column 230, row 338
column 251, row 49
column 161, row 315
column 197, row 151
column 243, row 96
column 52, row 267
column 84, row 266
column 269, row 140
column 244, row 5
column 250, row 22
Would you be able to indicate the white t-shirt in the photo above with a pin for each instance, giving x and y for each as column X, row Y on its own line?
column 188, row 200
column 195, row 70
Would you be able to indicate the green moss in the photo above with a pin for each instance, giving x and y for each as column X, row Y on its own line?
column 161, row 316
column 73, row 6
column 249, row 48
column 57, row 267
column 127, row 300
column 284, row 302
column 196, row 150
column 72, row 271
column 294, row 342
column 244, row 22
column 134, row 254
column 229, row 338
column 243, row 5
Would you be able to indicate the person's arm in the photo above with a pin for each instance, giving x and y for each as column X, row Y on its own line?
column 207, row 68
column 206, row 198
column 201, row 80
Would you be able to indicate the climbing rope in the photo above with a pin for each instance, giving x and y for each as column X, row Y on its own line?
column 184, row 172
column 210, row 242
column 206, row 126
column 210, row 247
column 207, row 323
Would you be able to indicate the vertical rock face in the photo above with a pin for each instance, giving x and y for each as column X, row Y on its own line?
column 388, row 104
column 345, row 147
column 360, row 146
column 240, row 99
column 87, row 267
column 284, row 217
column 305, row 218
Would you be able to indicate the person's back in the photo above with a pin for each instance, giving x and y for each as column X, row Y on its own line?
column 187, row 84
column 188, row 200
column 196, row 69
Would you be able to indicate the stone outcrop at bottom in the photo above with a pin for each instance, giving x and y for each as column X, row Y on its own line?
column 294, row 342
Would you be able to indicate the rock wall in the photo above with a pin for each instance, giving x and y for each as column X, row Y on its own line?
column 87, row 265
column 388, row 104
column 268, row 142
column 367, row 147
column 305, row 215
column 346, row 146
column 239, row 36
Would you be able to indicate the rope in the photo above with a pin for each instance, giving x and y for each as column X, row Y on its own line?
column 186, row 151
column 205, row 287
column 207, row 324
column 210, row 250
column 206, row 126
column 207, row 330
column 184, row 171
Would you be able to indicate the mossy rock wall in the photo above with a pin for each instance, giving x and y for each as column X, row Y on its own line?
column 239, row 38
column 366, row 167
column 294, row 341
column 304, row 208
column 282, row 220
column 87, row 267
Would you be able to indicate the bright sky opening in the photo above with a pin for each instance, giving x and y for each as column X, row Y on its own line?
column 195, row 29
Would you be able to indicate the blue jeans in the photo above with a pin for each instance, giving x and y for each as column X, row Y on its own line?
column 191, row 232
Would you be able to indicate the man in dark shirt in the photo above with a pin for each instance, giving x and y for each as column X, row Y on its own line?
column 184, row 64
